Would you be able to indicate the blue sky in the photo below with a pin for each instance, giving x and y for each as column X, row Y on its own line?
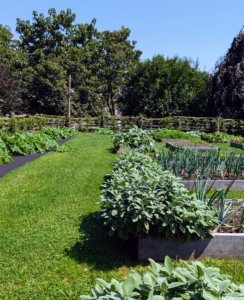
column 196, row 29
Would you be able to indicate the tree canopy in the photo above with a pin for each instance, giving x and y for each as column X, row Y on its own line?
column 165, row 87
column 228, row 81
column 105, row 67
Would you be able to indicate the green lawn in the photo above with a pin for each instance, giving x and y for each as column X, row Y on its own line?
column 52, row 246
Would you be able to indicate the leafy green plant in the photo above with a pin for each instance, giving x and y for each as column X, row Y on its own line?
column 195, row 133
column 134, row 138
column 4, row 153
column 140, row 197
column 216, row 137
column 189, row 163
column 164, row 133
column 24, row 143
column 225, row 209
column 107, row 131
column 59, row 133
column 206, row 122
column 237, row 139
column 166, row 122
column 13, row 125
column 193, row 281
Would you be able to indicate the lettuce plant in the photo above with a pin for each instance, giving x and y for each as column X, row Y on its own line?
column 164, row 282
column 139, row 197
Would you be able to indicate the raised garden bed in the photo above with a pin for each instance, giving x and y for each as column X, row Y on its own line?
column 223, row 246
column 218, row 184
column 185, row 144
column 236, row 145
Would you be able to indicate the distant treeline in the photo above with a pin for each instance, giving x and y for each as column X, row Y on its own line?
column 108, row 75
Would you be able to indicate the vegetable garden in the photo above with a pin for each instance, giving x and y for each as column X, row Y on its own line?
column 54, row 244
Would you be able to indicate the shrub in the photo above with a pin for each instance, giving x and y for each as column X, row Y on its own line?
column 194, row 281
column 140, row 197
column 134, row 137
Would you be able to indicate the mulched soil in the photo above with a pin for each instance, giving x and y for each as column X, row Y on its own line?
column 19, row 161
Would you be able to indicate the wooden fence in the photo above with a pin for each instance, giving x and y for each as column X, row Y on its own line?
column 27, row 122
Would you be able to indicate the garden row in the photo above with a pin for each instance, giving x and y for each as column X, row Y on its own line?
column 24, row 143
column 141, row 197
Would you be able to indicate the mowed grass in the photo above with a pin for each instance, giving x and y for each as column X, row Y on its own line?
column 52, row 245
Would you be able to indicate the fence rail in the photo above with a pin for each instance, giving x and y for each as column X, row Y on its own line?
column 233, row 126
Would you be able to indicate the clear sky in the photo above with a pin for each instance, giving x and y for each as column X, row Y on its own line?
column 196, row 29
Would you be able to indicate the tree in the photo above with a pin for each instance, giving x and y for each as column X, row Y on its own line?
column 112, row 57
column 9, row 92
column 56, row 48
column 10, row 99
column 164, row 87
column 228, row 81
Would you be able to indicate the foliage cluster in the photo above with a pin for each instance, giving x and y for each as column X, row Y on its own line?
column 227, row 83
column 217, row 137
column 107, row 131
column 140, row 197
column 24, row 143
column 237, row 139
column 59, row 133
column 16, row 124
column 164, row 87
column 194, row 133
column 164, row 133
column 134, row 138
column 190, row 163
column 225, row 209
column 164, row 282
column 52, row 47
column 105, row 69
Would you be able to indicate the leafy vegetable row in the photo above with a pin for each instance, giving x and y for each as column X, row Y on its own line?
column 24, row 143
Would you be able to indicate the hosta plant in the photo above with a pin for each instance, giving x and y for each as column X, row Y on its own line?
column 164, row 282
column 134, row 138
column 139, row 197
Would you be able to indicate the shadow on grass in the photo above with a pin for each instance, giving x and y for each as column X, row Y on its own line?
column 99, row 250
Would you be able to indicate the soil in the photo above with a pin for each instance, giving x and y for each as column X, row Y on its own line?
column 232, row 226
column 188, row 144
